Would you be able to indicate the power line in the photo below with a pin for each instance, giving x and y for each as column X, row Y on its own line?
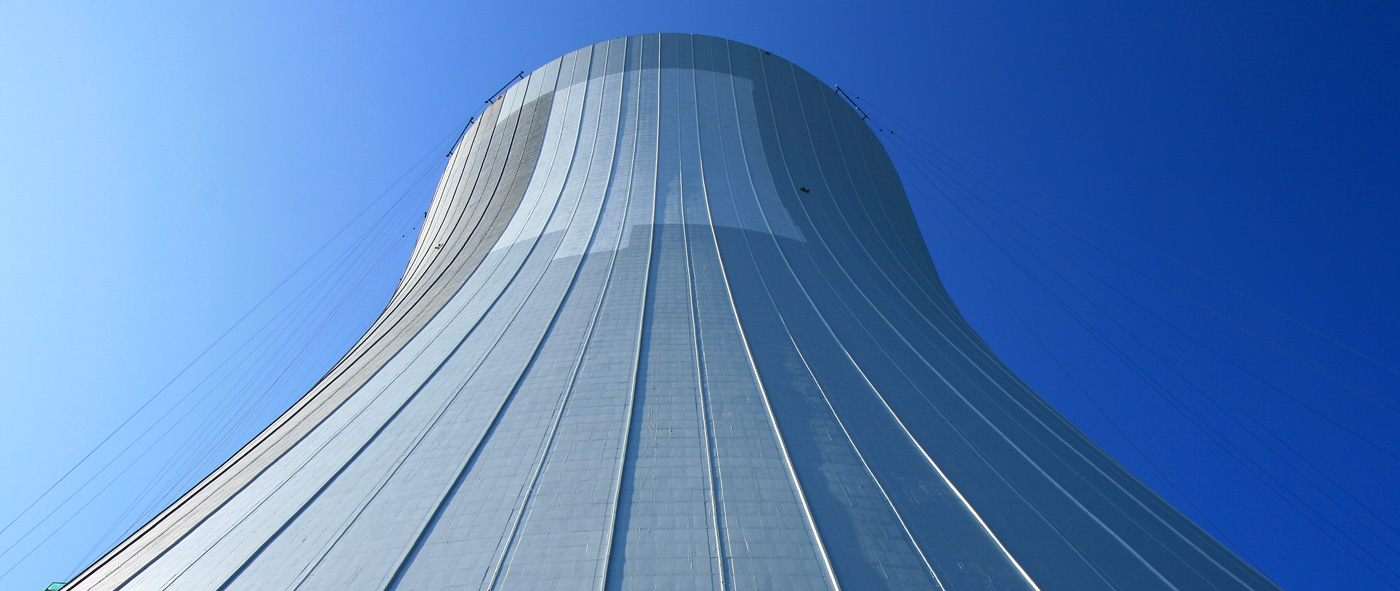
column 1123, row 358
column 277, row 333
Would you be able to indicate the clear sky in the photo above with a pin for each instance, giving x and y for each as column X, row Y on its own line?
column 163, row 166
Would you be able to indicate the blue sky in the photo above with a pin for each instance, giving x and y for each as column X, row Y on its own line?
column 163, row 166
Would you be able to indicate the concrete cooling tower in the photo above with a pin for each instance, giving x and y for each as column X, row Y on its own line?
column 670, row 324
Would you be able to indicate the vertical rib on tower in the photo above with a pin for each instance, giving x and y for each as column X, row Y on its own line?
column 670, row 325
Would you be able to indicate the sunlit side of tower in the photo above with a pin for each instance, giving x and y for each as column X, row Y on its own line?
column 670, row 324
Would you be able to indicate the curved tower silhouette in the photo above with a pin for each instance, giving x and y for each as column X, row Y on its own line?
column 670, row 324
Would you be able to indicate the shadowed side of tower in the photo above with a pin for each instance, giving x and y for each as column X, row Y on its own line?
column 670, row 324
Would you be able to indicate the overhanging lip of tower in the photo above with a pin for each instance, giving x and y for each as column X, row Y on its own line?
column 670, row 323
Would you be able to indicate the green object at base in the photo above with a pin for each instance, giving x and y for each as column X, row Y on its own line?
column 54, row 586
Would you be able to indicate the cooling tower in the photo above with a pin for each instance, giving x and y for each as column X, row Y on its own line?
column 670, row 324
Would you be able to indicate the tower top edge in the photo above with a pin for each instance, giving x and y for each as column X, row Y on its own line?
column 651, row 50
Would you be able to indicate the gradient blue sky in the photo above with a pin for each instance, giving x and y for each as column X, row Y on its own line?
column 162, row 166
